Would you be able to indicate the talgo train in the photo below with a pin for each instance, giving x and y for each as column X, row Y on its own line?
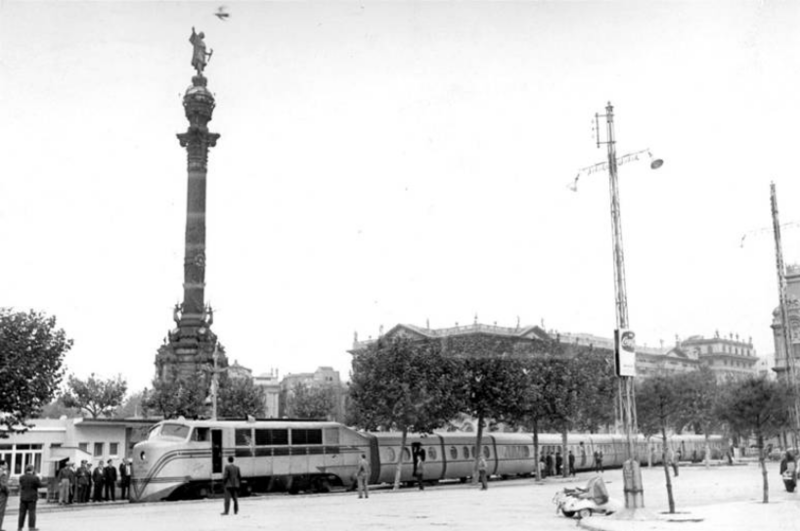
column 185, row 458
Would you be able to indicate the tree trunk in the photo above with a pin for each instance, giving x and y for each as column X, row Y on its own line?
column 399, row 467
column 564, row 456
column 538, row 472
column 670, row 497
column 478, row 450
column 763, row 465
column 707, row 451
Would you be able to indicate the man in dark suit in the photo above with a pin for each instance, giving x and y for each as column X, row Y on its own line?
column 110, row 474
column 124, row 479
column 231, row 481
column 29, row 485
column 98, row 478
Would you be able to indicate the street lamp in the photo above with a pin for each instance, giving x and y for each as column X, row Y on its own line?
column 625, row 355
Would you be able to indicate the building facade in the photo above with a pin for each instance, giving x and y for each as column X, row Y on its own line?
column 52, row 441
column 782, row 357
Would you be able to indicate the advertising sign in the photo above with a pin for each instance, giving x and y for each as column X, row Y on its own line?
column 625, row 352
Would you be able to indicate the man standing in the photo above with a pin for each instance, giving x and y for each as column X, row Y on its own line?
column 29, row 485
column 98, row 478
column 482, row 473
column 362, row 476
column 3, row 491
column 110, row 474
column 65, row 478
column 83, row 483
column 420, row 472
column 571, row 463
column 231, row 481
column 124, row 479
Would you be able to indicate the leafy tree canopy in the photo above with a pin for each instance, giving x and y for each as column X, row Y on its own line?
column 402, row 385
column 181, row 397
column 307, row 402
column 32, row 351
column 240, row 397
column 96, row 396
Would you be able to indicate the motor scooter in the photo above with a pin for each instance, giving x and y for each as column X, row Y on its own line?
column 570, row 503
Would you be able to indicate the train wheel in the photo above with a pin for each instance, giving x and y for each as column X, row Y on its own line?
column 202, row 492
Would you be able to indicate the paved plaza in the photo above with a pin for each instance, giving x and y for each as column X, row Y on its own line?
column 721, row 497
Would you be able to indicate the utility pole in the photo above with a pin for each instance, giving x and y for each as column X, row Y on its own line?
column 632, row 475
column 791, row 370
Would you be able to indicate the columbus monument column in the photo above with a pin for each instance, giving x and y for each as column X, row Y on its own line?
column 189, row 348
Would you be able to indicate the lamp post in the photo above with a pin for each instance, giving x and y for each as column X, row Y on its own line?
column 625, row 352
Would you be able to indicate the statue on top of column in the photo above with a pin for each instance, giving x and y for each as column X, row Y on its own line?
column 199, row 54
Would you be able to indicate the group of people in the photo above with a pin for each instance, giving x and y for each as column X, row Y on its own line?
column 84, row 484
column 551, row 464
column 29, row 485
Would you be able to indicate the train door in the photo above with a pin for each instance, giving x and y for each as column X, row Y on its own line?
column 216, row 451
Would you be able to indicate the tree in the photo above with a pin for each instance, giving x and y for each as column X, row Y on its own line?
column 57, row 409
column 240, row 397
column 402, row 385
column 306, row 402
column 699, row 394
column 95, row 395
column 760, row 407
column 658, row 403
column 489, row 388
column 133, row 406
column 181, row 397
column 32, row 351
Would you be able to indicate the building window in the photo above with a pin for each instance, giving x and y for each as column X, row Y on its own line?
column 113, row 449
column 83, row 447
column 18, row 456
column 98, row 449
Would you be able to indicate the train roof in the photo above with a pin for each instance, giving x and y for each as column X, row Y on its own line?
column 257, row 423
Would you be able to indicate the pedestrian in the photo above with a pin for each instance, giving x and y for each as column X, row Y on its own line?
column 571, row 463
column 3, row 491
column 98, row 478
column 82, row 479
column 73, row 484
column 124, row 479
column 583, row 455
column 65, row 476
column 29, row 485
column 110, row 476
column 788, row 471
column 88, row 481
column 548, row 461
column 600, row 461
column 672, row 461
column 482, row 473
column 231, row 481
column 542, row 467
column 362, row 477
column 559, row 462
column 419, row 472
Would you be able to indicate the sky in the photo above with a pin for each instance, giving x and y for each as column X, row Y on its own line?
column 395, row 162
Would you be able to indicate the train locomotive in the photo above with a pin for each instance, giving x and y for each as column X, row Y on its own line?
column 185, row 458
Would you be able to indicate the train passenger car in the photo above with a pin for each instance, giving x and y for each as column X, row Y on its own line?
column 183, row 459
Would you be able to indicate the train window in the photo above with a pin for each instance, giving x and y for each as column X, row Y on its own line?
column 201, row 435
column 263, row 437
column 391, row 455
column 526, row 451
column 178, row 431
column 466, row 453
column 453, row 453
column 243, row 437
column 431, row 453
column 301, row 436
column 406, row 455
column 280, row 437
column 486, row 452
column 473, row 452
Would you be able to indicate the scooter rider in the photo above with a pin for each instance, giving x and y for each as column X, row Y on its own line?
column 596, row 491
